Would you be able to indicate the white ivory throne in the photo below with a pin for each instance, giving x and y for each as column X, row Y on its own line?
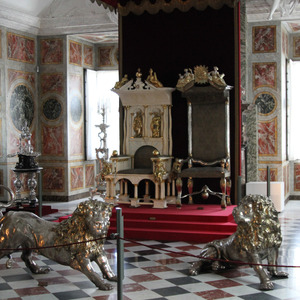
column 147, row 147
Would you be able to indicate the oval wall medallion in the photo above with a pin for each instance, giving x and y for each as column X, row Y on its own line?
column 21, row 106
column 266, row 103
column 52, row 109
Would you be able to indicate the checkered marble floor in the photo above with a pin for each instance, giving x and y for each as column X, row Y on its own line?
column 154, row 271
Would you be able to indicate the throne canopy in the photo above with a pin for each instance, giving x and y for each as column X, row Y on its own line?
column 124, row 7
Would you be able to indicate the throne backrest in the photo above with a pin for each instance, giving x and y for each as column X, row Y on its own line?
column 208, row 116
column 142, row 157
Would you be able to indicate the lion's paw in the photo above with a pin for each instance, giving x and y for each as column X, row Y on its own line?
column 266, row 286
column 105, row 287
column 193, row 272
column 41, row 270
column 281, row 274
column 112, row 278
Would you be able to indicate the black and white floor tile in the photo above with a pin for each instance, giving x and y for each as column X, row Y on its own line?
column 154, row 271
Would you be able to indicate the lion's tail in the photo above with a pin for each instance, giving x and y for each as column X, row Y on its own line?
column 12, row 197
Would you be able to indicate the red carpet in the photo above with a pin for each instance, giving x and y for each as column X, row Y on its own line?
column 188, row 223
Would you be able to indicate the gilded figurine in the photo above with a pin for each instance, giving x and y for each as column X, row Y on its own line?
column 75, row 242
column 258, row 237
column 138, row 74
column 159, row 171
column 123, row 81
column 152, row 78
column 201, row 76
column 187, row 78
column 216, row 79
column 156, row 125
column 138, row 124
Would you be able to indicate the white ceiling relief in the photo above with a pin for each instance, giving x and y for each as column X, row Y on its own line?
column 56, row 17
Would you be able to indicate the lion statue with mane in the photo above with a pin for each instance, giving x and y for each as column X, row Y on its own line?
column 258, row 237
column 75, row 242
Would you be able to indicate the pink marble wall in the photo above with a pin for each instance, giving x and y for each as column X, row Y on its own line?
column 264, row 39
column 286, row 179
column 20, row 48
column 297, row 177
column 13, row 140
column 294, row 26
column 262, row 174
column 1, row 140
column 76, row 178
column 51, row 51
column 14, row 75
column 89, row 175
column 267, row 138
column 265, row 75
column 75, row 53
column 75, row 84
column 1, row 182
column 52, row 83
column 52, row 140
column 54, row 179
column 0, row 44
column 296, row 45
column 285, row 43
column 76, row 138
column 105, row 56
column 88, row 55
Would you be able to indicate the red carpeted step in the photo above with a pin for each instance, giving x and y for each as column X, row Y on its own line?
column 189, row 223
column 180, row 225
column 207, row 213
column 172, row 235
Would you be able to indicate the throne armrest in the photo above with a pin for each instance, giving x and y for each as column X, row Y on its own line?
column 224, row 162
column 178, row 164
column 161, row 166
column 120, row 162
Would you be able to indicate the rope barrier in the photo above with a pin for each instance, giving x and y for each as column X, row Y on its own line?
column 212, row 259
column 182, row 253
column 49, row 247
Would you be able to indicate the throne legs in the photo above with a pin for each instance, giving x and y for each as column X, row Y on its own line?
column 225, row 185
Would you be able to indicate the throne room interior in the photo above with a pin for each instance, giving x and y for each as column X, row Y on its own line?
column 46, row 49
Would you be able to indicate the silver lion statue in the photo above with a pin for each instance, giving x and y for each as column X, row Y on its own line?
column 258, row 237
column 75, row 242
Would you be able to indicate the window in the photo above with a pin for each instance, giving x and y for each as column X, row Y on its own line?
column 98, row 97
column 294, row 140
